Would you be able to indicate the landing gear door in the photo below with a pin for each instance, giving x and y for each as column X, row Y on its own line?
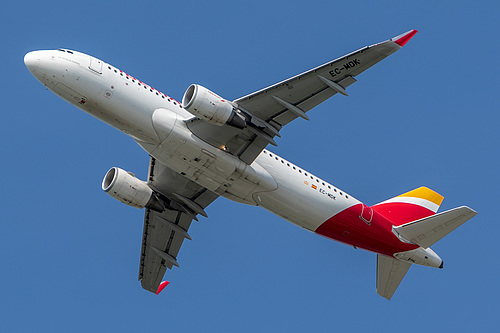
column 95, row 65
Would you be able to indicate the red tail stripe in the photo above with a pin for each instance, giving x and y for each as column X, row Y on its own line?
column 400, row 213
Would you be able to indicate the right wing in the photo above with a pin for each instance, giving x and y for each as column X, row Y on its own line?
column 390, row 273
column 271, row 108
column 164, row 233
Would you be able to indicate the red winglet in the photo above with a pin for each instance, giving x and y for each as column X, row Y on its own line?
column 162, row 286
column 404, row 38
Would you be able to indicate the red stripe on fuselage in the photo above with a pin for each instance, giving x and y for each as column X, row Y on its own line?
column 348, row 227
column 400, row 212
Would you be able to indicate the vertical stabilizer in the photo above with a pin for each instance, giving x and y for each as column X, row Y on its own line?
column 410, row 206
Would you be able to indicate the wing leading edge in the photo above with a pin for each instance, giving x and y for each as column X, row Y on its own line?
column 164, row 233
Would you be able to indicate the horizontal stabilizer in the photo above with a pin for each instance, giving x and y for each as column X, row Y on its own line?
column 429, row 230
column 390, row 273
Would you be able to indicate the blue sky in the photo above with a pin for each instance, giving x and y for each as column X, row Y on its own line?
column 427, row 115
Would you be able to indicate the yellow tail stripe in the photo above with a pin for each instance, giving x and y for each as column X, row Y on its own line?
column 425, row 193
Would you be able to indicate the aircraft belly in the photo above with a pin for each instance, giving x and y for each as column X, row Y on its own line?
column 205, row 164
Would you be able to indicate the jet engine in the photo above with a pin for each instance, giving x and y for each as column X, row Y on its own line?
column 210, row 107
column 126, row 188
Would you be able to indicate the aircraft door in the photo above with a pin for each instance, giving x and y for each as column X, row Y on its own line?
column 95, row 65
column 366, row 214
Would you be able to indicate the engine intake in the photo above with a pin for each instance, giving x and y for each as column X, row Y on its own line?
column 210, row 107
column 130, row 190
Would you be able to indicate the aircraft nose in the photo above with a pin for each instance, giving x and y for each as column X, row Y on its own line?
column 31, row 60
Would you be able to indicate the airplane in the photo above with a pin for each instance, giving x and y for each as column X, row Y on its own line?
column 207, row 146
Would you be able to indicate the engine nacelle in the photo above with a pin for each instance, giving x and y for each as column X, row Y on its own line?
column 210, row 107
column 130, row 190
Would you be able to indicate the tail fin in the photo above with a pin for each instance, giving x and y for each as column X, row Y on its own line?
column 429, row 230
column 410, row 206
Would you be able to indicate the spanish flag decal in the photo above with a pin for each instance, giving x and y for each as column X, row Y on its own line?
column 314, row 186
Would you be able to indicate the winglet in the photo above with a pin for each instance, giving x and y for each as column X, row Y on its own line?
column 162, row 286
column 401, row 40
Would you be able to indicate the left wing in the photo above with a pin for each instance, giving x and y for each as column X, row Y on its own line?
column 164, row 233
column 268, row 110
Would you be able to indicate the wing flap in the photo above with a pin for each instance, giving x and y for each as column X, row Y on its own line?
column 390, row 273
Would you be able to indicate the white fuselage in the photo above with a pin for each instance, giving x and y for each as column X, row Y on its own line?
column 158, row 124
